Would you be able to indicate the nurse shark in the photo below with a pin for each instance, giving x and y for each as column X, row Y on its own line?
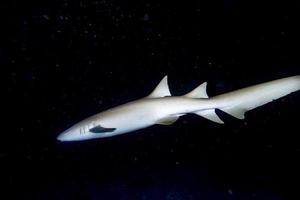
column 160, row 107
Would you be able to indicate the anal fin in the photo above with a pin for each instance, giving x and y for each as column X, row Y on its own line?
column 235, row 112
column 210, row 115
column 167, row 120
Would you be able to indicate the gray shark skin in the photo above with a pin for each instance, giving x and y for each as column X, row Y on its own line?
column 160, row 107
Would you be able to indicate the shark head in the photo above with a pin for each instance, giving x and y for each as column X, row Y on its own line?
column 85, row 131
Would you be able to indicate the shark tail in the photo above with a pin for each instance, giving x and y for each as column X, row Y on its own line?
column 238, row 102
column 235, row 103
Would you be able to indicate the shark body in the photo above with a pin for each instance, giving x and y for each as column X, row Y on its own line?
column 160, row 107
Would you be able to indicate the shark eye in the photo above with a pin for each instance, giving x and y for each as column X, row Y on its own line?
column 100, row 129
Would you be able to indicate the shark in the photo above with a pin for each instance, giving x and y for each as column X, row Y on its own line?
column 160, row 107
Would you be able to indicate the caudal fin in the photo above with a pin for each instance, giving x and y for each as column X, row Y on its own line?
column 238, row 102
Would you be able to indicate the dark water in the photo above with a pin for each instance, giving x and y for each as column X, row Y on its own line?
column 71, row 59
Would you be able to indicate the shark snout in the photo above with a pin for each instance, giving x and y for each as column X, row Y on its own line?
column 73, row 134
column 68, row 135
column 62, row 137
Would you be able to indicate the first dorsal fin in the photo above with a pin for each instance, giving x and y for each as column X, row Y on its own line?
column 198, row 92
column 161, row 90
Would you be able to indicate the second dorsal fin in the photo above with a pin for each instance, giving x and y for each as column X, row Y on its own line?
column 198, row 92
column 161, row 90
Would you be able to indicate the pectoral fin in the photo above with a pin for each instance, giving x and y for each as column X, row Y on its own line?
column 100, row 129
column 167, row 120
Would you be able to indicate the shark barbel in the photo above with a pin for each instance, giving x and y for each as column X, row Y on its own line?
column 160, row 107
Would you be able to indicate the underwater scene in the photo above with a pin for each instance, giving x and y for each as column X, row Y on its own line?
column 148, row 100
